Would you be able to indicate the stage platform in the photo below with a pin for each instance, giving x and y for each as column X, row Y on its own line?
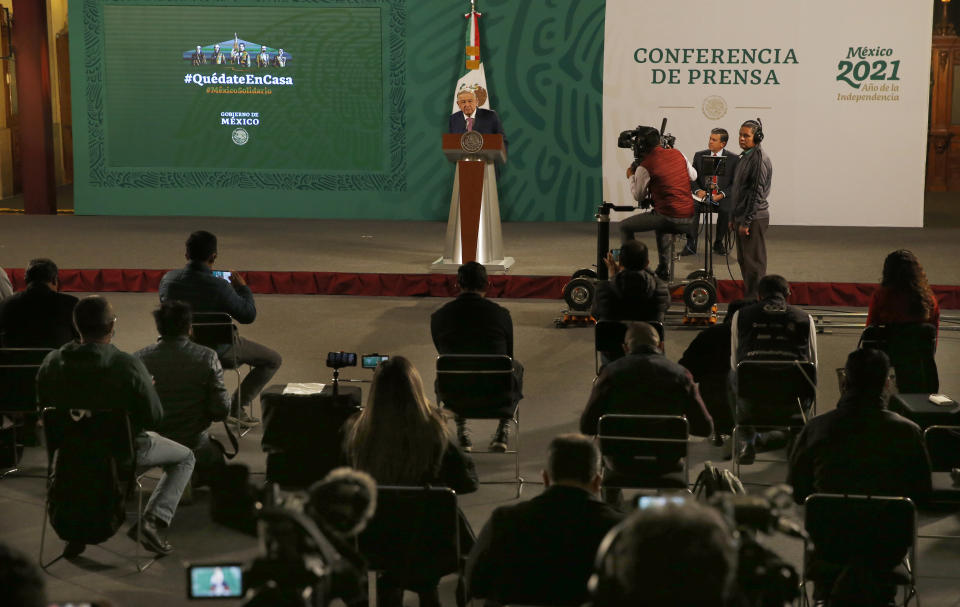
column 827, row 266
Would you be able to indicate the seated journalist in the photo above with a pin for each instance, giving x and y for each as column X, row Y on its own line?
column 39, row 316
column 189, row 381
column 633, row 292
column 644, row 382
column 94, row 374
column 472, row 324
column 196, row 285
column 541, row 552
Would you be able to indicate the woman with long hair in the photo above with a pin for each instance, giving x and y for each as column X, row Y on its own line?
column 904, row 295
column 400, row 438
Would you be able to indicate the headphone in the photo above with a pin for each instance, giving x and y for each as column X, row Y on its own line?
column 757, row 126
column 604, row 586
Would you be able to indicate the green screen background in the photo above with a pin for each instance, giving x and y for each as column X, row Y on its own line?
column 543, row 59
column 336, row 96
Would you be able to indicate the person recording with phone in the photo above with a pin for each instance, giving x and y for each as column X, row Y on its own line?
column 665, row 175
column 633, row 291
column 750, row 209
column 197, row 285
column 717, row 187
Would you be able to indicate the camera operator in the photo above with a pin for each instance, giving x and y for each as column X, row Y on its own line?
column 664, row 174
column 678, row 554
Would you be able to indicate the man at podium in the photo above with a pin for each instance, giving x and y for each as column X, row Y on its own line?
column 472, row 118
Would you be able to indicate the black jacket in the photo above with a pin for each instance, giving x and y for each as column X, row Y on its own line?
column 770, row 328
column 751, row 187
column 196, row 285
column 540, row 552
column 472, row 324
column 631, row 295
column 646, row 383
column 724, row 182
column 37, row 317
column 860, row 448
column 456, row 471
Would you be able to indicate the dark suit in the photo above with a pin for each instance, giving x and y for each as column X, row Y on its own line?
column 540, row 552
column 485, row 121
column 724, row 184
column 37, row 317
column 472, row 324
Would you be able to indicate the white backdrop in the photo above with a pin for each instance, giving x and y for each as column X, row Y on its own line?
column 842, row 155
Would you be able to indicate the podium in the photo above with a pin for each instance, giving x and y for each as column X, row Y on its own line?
column 473, row 227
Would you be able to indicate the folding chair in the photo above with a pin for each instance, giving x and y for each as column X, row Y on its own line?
column 943, row 447
column 216, row 330
column 608, row 338
column 646, row 441
column 776, row 391
column 113, row 425
column 414, row 537
column 480, row 386
column 876, row 533
column 911, row 348
column 18, row 390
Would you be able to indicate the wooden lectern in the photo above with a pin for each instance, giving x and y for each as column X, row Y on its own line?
column 473, row 228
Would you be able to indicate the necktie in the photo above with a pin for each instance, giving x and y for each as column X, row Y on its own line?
column 470, row 123
column 714, row 178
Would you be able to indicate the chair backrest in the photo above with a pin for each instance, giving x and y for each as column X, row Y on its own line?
column 911, row 348
column 648, row 436
column 109, row 427
column 414, row 534
column 776, row 385
column 18, row 373
column 876, row 531
column 942, row 442
column 608, row 336
column 476, row 385
column 213, row 329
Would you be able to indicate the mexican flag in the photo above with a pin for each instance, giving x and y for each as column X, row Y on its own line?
column 472, row 78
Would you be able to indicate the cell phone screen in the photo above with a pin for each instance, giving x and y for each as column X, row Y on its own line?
column 214, row 581
column 223, row 275
column 659, row 501
column 615, row 253
column 370, row 361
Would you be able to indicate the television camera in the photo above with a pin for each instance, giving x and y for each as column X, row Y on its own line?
column 303, row 561
column 699, row 289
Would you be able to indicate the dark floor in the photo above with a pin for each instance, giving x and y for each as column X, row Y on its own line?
column 559, row 371
column 559, row 362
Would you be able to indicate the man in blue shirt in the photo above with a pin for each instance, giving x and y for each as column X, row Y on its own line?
column 196, row 285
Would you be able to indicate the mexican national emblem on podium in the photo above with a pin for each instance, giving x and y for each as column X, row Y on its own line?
column 473, row 227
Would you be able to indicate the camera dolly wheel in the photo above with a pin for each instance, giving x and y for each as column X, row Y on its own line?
column 579, row 293
column 700, row 302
